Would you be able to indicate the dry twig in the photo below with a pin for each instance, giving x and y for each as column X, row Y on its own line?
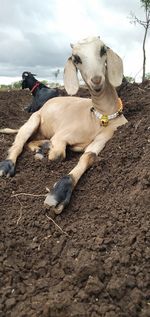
column 25, row 194
column 58, row 226
column 137, row 124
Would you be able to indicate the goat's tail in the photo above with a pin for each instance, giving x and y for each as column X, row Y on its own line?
column 9, row 131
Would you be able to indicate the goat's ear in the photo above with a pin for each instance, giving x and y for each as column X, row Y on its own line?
column 114, row 68
column 71, row 81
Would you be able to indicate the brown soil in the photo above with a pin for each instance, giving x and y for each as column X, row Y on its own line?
column 96, row 263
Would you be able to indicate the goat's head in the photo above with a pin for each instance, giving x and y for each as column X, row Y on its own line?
column 95, row 61
column 27, row 79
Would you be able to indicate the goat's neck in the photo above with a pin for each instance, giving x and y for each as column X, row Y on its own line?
column 31, row 84
column 106, row 102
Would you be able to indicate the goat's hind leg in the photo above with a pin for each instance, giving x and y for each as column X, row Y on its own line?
column 57, row 150
column 39, row 147
column 7, row 167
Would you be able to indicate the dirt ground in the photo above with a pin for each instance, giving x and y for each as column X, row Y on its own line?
column 93, row 260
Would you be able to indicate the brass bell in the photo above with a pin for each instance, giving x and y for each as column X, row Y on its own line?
column 104, row 120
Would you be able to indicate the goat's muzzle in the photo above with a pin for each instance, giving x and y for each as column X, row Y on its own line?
column 96, row 80
column 96, row 83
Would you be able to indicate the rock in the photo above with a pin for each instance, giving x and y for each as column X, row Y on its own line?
column 116, row 287
column 86, row 265
column 136, row 296
column 93, row 286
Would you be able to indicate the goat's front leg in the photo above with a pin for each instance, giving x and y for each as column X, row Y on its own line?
column 7, row 167
column 61, row 192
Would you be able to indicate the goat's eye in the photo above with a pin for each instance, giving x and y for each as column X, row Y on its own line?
column 76, row 59
column 103, row 51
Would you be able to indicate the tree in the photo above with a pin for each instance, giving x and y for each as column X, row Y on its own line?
column 146, row 24
column 45, row 82
column 56, row 73
column 16, row 85
column 130, row 79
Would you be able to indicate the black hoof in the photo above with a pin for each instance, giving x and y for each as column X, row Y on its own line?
column 30, row 109
column 60, row 194
column 27, row 108
column 39, row 155
column 7, row 168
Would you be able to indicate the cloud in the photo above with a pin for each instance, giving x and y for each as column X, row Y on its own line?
column 36, row 35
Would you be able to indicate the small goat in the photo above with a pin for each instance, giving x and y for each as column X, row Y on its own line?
column 83, row 124
column 40, row 92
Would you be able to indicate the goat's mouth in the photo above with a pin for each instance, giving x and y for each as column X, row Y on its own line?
column 97, row 89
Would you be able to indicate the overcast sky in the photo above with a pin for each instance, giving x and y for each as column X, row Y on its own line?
column 35, row 35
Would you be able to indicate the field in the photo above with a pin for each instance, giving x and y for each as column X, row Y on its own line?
column 93, row 259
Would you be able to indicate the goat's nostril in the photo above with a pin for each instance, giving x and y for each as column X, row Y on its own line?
column 96, row 80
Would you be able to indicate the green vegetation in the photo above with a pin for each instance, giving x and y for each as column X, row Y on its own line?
column 147, row 76
column 44, row 82
column 13, row 86
column 130, row 79
column 17, row 85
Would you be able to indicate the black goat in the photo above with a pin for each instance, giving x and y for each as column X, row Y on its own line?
column 40, row 92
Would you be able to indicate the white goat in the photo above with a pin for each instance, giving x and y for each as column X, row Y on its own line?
column 83, row 124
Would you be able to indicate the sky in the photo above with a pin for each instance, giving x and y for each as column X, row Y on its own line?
column 35, row 35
